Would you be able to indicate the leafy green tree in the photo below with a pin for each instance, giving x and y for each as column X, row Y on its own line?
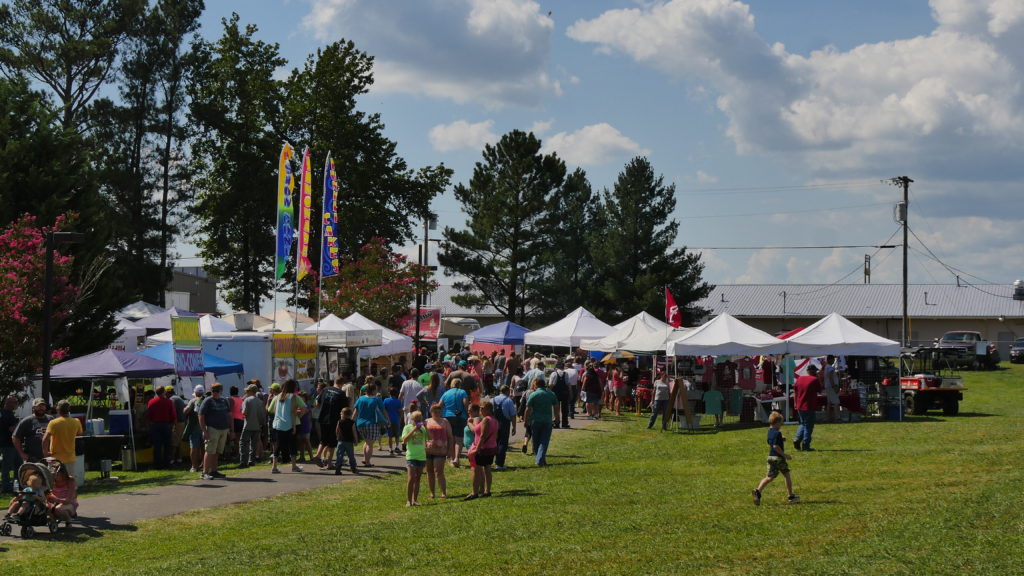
column 37, row 156
column 236, row 108
column 572, row 227
column 70, row 46
column 142, row 133
column 499, row 257
column 635, row 253
column 377, row 283
column 379, row 196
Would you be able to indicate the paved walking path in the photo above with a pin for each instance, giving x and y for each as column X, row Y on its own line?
column 119, row 511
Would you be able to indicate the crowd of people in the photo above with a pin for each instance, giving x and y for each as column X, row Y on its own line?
column 438, row 410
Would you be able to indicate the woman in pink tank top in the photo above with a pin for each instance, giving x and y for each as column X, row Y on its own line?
column 485, row 447
column 439, row 438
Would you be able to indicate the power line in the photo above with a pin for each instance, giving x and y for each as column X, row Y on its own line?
column 794, row 188
column 851, row 272
column 952, row 271
column 789, row 247
column 786, row 213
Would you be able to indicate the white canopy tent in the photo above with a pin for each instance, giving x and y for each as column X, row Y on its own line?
column 332, row 324
column 836, row 335
column 286, row 321
column 139, row 310
column 654, row 343
column 725, row 335
column 639, row 327
column 570, row 331
column 207, row 325
column 391, row 342
column 128, row 336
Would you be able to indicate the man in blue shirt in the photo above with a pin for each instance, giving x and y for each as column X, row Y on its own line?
column 456, row 410
column 505, row 414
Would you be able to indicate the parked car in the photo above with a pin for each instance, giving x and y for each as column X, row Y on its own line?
column 971, row 349
column 1017, row 351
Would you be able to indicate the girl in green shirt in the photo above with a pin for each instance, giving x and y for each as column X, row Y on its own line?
column 415, row 438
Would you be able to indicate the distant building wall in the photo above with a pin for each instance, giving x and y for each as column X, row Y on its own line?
column 201, row 287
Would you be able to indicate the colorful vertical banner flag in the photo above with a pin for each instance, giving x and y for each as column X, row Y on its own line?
column 285, row 232
column 188, row 347
column 329, row 232
column 304, row 266
column 672, row 316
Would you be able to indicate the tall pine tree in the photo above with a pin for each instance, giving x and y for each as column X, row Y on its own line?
column 499, row 255
column 635, row 248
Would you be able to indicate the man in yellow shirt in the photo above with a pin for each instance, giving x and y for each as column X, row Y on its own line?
column 59, row 440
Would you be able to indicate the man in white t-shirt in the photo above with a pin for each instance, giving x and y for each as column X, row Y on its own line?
column 410, row 389
column 572, row 375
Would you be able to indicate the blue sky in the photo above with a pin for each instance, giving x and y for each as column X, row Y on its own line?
column 775, row 119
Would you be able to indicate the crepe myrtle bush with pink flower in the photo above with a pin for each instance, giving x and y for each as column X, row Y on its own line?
column 377, row 283
column 22, row 268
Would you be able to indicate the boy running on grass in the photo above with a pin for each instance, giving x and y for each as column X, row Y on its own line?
column 777, row 460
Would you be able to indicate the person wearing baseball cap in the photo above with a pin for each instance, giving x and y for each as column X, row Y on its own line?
column 806, row 388
column 28, row 436
column 192, row 431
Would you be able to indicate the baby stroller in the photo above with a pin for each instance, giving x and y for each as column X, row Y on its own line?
column 40, row 515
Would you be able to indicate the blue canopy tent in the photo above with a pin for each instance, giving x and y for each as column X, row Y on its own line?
column 212, row 364
column 504, row 333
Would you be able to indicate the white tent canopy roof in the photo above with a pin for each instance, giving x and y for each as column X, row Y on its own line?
column 286, row 321
column 632, row 330
column 836, row 335
column 579, row 325
column 393, row 342
column 725, row 335
column 332, row 323
column 139, row 310
column 207, row 325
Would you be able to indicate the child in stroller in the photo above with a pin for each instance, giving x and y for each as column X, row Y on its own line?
column 35, row 505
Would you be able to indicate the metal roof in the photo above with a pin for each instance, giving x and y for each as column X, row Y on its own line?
column 864, row 300
column 442, row 298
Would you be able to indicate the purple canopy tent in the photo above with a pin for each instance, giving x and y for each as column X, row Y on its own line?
column 111, row 364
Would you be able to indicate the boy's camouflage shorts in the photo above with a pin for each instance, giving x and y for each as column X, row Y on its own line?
column 777, row 465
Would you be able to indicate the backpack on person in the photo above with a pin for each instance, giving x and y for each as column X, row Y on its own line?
column 560, row 385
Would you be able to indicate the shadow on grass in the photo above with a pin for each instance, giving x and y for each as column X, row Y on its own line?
column 516, row 493
column 843, row 450
column 973, row 415
column 99, row 487
column 85, row 529
column 557, row 462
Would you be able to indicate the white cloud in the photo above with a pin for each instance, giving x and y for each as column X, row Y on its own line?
column 461, row 135
column 540, row 128
column 494, row 52
column 706, row 178
column 593, row 145
column 947, row 103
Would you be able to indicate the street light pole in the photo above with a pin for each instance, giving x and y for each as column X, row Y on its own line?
column 53, row 239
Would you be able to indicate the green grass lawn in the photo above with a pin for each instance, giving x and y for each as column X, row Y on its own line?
column 931, row 495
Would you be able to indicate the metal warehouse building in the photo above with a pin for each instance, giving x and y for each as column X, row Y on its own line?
column 933, row 308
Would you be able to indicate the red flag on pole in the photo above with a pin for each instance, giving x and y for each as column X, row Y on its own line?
column 672, row 316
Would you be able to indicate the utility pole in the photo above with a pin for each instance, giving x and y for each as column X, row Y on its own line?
column 903, row 212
